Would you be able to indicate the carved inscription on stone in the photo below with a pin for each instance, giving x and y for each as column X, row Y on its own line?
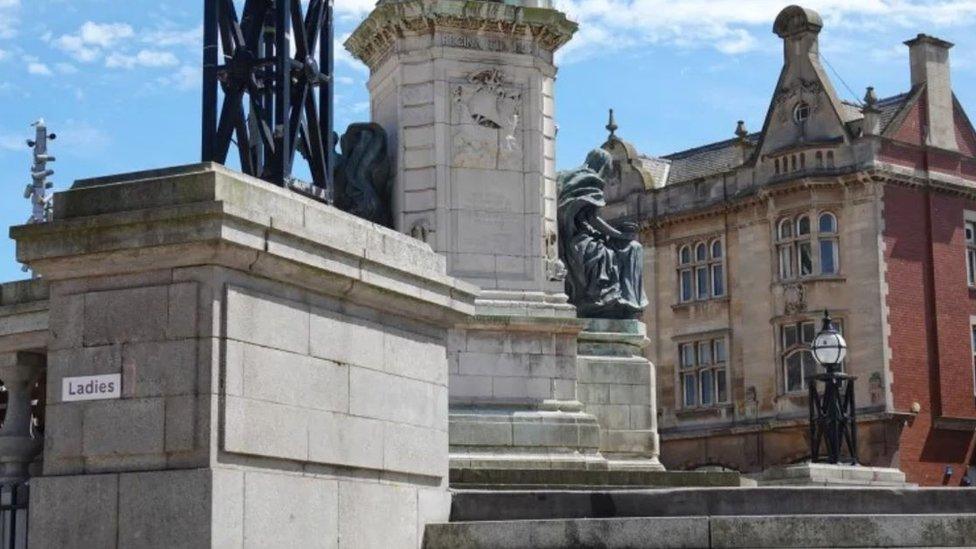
column 486, row 125
column 485, row 43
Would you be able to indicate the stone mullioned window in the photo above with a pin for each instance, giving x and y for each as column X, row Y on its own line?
column 704, row 373
column 971, row 252
column 795, row 241
column 701, row 270
column 796, row 357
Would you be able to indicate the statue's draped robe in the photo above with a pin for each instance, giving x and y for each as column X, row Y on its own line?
column 604, row 271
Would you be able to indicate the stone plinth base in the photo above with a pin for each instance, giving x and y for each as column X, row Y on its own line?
column 283, row 364
column 826, row 474
column 617, row 385
column 513, row 390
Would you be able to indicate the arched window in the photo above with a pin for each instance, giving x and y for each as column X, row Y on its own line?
column 795, row 238
column 801, row 112
column 685, row 291
column 796, row 358
column 701, row 271
column 829, row 252
column 830, row 159
column 819, row 157
column 717, row 269
column 776, row 163
column 803, row 161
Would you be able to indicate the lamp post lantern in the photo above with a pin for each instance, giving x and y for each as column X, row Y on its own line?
column 833, row 420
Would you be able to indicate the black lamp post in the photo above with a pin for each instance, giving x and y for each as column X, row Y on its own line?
column 833, row 421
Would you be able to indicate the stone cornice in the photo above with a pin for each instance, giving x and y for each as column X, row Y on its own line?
column 394, row 19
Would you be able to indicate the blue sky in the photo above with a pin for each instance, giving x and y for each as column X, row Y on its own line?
column 118, row 80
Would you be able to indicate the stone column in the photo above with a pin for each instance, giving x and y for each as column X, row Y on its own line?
column 18, row 443
column 283, row 366
column 617, row 385
column 465, row 90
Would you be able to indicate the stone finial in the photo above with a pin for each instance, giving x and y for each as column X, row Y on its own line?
column 870, row 98
column 612, row 127
column 797, row 20
column 740, row 130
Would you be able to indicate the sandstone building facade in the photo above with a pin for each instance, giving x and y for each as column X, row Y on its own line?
column 868, row 210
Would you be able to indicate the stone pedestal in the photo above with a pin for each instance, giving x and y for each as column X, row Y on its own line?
column 465, row 90
column 19, row 444
column 284, row 372
column 617, row 385
column 826, row 474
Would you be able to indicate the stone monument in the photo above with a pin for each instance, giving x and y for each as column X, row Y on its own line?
column 465, row 91
column 605, row 283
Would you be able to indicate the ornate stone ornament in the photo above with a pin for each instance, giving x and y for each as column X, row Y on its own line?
column 794, row 299
column 486, row 118
column 555, row 268
column 806, row 91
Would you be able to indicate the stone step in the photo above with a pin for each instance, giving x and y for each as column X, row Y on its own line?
column 727, row 532
column 495, row 505
column 567, row 479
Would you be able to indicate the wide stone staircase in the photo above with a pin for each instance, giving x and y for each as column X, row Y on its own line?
column 722, row 517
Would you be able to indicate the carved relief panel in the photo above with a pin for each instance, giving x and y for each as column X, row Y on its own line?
column 486, row 122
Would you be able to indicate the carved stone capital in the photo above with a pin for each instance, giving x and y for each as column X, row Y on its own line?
column 544, row 27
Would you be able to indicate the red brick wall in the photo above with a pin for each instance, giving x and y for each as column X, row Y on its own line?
column 929, row 309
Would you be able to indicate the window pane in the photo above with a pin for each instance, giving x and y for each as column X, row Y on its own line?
column 716, row 249
column 827, row 223
column 809, row 365
column 718, row 280
column 685, row 255
column 786, row 262
column 971, row 266
column 700, row 253
column 806, row 259
column 687, row 351
column 707, row 386
column 686, row 294
column 803, row 225
column 971, row 232
column 789, row 336
column 719, row 354
column 691, row 390
column 794, row 372
column 785, row 228
column 704, row 353
column 702, row 275
column 827, row 257
column 722, row 392
column 809, row 332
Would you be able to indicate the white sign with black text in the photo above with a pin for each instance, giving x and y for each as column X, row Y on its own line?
column 103, row 387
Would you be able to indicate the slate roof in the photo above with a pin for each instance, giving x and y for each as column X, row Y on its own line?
column 706, row 160
column 889, row 107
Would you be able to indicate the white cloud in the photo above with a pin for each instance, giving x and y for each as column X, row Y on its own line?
column 13, row 142
column 4, row 54
column 732, row 26
column 66, row 68
column 344, row 80
column 88, row 43
column 190, row 38
column 185, row 78
column 343, row 57
column 9, row 21
column 38, row 68
column 144, row 58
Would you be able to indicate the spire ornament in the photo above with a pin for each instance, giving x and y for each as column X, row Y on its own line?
column 612, row 127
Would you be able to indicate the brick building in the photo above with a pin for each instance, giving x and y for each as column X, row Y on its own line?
column 866, row 209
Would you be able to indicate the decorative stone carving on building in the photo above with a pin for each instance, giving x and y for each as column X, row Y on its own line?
column 421, row 230
column 807, row 91
column 794, row 299
column 487, row 131
column 555, row 268
column 362, row 178
column 604, row 264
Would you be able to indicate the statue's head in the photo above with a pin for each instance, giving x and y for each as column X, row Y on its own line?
column 599, row 161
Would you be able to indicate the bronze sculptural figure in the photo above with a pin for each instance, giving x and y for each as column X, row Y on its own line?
column 362, row 178
column 604, row 264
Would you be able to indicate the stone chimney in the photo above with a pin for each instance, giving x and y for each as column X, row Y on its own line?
column 930, row 66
